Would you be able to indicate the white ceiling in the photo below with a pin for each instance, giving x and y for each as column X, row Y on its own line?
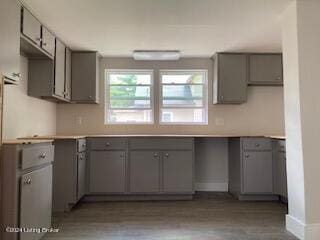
column 198, row 28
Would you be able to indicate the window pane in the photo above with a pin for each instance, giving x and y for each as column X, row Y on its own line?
column 182, row 103
column 192, row 78
column 130, row 78
column 130, row 116
column 184, row 95
column 130, row 103
column 129, row 92
column 183, row 115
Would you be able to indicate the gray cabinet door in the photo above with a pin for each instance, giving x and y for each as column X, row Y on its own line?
column 230, row 78
column 257, row 176
column 48, row 41
column 178, row 171
column 144, row 172
column 36, row 201
column 280, row 176
column 81, row 183
column 265, row 69
column 67, row 92
column 85, row 77
column 31, row 27
column 107, row 172
column 59, row 72
column 10, row 39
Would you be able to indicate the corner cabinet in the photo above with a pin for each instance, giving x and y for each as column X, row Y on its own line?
column 27, row 194
column 85, row 77
column 230, row 78
column 10, row 40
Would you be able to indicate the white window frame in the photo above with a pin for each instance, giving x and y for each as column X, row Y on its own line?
column 107, row 97
column 204, row 91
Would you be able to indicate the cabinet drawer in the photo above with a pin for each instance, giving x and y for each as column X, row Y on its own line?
column 108, row 143
column 256, row 144
column 161, row 143
column 37, row 155
column 82, row 145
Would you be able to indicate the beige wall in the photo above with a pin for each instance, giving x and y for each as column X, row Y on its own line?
column 263, row 114
column 24, row 115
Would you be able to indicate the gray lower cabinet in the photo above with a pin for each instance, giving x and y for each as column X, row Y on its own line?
column 178, row 171
column 69, row 173
column 230, row 78
column 10, row 40
column 280, row 168
column 85, row 77
column 27, row 194
column 36, row 201
column 251, row 169
column 107, row 172
column 265, row 69
column 144, row 172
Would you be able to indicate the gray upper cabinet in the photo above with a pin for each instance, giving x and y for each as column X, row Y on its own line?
column 144, row 172
column 85, row 77
column 178, row 171
column 48, row 41
column 107, row 172
column 265, row 69
column 67, row 92
column 31, row 27
column 59, row 72
column 10, row 40
column 230, row 78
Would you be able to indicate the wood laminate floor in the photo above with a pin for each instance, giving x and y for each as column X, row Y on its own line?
column 209, row 216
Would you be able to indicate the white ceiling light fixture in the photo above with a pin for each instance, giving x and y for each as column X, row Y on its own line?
column 156, row 55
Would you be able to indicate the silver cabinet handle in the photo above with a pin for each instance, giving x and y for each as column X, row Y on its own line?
column 278, row 78
column 44, row 44
column 257, row 144
column 108, row 144
column 16, row 75
column 166, row 155
column 121, row 155
column 81, row 158
column 156, row 155
column 38, row 39
column 247, row 155
column 27, row 182
column 43, row 155
column 83, row 145
column 90, row 97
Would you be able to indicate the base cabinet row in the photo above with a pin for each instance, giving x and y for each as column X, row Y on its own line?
column 142, row 171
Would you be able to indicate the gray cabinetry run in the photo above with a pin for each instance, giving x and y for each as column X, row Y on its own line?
column 69, row 173
column 10, row 40
column 27, row 194
column 85, row 77
column 265, row 69
column 251, row 169
column 230, row 78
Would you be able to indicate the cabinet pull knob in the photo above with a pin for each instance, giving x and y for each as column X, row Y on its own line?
column 27, row 182
column 108, row 144
column 81, row 158
column 166, row 155
column 247, row 155
column 90, row 97
column 38, row 39
column 83, row 145
column 257, row 144
column 43, row 155
column 44, row 44
column 121, row 155
column 278, row 78
column 16, row 75
column 156, row 155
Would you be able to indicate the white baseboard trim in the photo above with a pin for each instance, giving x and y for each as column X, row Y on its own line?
column 212, row 187
column 301, row 230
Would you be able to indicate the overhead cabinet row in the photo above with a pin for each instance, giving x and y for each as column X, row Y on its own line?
column 233, row 72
